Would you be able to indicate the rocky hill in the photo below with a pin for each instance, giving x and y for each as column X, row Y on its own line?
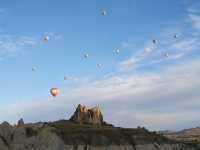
column 85, row 130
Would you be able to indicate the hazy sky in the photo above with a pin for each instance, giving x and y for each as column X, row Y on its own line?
column 140, row 86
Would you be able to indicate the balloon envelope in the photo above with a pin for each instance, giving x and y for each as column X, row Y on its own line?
column 46, row 38
column 117, row 51
column 54, row 92
column 166, row 55
column 86, row 55
column 175, row 36
column 99, row 65
column 103, row 13
column 155, row 41
column 34, row 68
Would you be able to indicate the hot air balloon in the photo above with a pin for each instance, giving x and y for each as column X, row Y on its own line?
column 99, row 66
column 175, row 36
column 166, row 55
column 103, row 13
column 155, row 41
column 54, row 92
column 86, row 56
column 117, row 50
column 34, row 68
column 46, row 38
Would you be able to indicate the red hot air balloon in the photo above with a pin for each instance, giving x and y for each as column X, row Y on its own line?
column 54, row 92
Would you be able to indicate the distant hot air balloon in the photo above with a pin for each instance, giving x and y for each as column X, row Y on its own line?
column 46, row 38
column 103, row 13
column 117, row 50
column 34, row 68
column 54, row 92
column 155, row 41
column 99, row 66
column 176, row 36
column 166, row 55
column 86, row 56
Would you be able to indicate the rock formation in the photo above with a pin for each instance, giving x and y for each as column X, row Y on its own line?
column 84, row 115
column 20, row 122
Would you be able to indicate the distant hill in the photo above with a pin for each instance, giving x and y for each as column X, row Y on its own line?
column 187, row 135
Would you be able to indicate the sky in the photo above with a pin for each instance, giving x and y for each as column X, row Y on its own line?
column 145, row 84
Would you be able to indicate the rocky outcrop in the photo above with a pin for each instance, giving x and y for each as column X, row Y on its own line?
column 84, row 115
column 29, row 137
column 20, row 122
column 6, row 132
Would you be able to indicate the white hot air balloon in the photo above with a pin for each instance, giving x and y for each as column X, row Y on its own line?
column 103, row 13
column 117, row 50
column 34, row 68
column 46, row 38
column 176, row 36
column 154, row 41
column 86, row 56
column 99, row 66
column 166, row 55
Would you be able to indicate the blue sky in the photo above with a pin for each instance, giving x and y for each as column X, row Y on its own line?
column 139, row 82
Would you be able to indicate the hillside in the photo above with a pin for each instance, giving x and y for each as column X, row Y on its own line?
column 186, row 135
column 86, row 130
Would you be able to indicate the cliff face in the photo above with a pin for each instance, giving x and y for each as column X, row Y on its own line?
column 85, row 131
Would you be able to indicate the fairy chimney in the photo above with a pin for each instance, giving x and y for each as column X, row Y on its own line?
column 84, row 115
